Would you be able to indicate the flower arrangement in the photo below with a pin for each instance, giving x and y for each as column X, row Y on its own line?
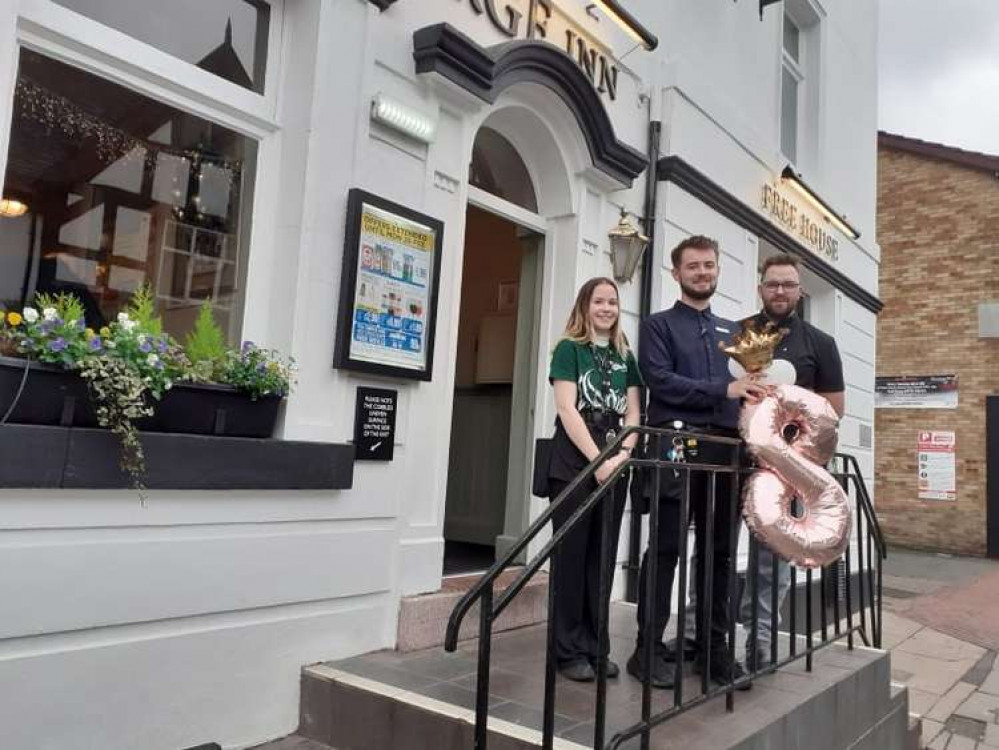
column 130, row 363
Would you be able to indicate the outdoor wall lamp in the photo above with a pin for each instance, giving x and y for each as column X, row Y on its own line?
column 626, row 246
column 11, row 208
column 629, row 23
column 793, row 179
column 403, row 118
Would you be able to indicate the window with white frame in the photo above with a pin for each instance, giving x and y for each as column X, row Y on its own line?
column 127, row 186
column 225, row 37
column 791, row 84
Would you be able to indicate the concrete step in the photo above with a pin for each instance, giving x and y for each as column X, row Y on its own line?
column 423, row 618
column 425, row 701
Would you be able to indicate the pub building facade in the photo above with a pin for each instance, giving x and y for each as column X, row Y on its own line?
column 404, row 196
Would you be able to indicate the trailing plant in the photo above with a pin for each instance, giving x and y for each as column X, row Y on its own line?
column 119, row 395
column 206, row 347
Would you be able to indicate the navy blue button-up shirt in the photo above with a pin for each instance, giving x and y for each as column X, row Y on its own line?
column 685, row 370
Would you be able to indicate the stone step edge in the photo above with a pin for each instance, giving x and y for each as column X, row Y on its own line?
column 414, row 632
column 446, row 711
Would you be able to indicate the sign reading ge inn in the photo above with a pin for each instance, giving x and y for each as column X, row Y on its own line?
column 785, row 213
column 542, row 20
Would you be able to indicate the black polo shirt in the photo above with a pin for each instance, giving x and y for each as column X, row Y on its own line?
column 813, row 353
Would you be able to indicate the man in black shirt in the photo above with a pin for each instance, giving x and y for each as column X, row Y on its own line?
column 690, row 387
column 818, row 368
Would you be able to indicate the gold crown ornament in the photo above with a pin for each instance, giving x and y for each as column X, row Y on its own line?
column 753, row 347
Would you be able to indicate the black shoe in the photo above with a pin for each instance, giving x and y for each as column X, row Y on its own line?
column 578, row 671
column 613, row 670
column 690, row 649
column 724, row 670
column 662, row 672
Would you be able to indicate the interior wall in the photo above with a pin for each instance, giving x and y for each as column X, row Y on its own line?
column 492, row 257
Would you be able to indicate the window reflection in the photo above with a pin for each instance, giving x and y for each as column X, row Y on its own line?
column 122, row 190
column 224, row 37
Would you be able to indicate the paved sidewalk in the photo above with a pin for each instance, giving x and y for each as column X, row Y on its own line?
column 941, row 624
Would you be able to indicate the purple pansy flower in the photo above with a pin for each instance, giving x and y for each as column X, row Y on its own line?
column 162, row 345
column 248, row 346
column 57, row 345
column 95, row 344
column 145, row 346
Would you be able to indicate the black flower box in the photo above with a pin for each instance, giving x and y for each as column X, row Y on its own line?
column 54, row 396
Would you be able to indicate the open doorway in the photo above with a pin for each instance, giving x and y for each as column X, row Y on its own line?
column 493, row 394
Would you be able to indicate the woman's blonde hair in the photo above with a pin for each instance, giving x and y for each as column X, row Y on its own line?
column 579, row 329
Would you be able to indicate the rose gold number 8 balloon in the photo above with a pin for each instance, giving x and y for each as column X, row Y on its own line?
column 790, row 467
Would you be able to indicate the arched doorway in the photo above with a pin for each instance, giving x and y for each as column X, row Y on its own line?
column 496, row 358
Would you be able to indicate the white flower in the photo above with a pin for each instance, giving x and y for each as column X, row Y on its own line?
column 126, row 324
column 167, row 384
column 123, row 317
column 152, row 359
column 49, row 313
column 143, row 338
column 30, row 314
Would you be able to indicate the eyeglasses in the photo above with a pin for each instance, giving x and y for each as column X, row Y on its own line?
column 773, row 286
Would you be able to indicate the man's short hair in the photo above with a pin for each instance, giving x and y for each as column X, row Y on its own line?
column 781, row 259
column 697, row 242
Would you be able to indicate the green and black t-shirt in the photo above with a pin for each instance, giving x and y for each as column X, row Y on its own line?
column 602, row 377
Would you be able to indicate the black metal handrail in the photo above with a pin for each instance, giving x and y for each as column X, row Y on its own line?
column 491, row 606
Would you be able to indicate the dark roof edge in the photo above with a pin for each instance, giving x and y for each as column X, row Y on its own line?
column 929, row 149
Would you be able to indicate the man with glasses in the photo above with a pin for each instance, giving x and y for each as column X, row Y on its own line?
column 818, row 368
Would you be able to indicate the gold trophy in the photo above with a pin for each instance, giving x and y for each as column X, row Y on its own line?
column 752, row 351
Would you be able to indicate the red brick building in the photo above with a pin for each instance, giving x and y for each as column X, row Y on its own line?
column 938, row 226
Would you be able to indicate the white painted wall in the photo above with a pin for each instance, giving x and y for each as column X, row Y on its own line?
column 186, row 619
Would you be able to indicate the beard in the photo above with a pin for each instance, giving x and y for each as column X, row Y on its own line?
column 699, row 294
column 774, row 313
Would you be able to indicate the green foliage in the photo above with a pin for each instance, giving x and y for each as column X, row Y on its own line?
column 205, row 346
column 142, row 309
column 67, row 305
column 119, row 396
column 259, row 372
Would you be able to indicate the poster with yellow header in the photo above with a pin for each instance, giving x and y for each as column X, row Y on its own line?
column 392, row 295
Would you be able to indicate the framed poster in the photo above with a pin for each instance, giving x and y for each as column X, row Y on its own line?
column 388, row 289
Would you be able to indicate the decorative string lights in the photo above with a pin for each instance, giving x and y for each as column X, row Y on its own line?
column 112, row 144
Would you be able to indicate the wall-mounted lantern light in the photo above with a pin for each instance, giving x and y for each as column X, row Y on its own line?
column 405, row 119
column 626, row 245
column 793, row 180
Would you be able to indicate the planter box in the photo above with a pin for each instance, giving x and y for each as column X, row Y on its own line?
column 207, row 409
column 53, row 396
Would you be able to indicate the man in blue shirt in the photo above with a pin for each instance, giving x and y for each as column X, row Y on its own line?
column 690, row 387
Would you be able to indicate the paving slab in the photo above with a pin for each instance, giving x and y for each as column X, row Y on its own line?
column 980, row 706
column 954, row 697
column 930, row 729
column 930, row 642
column 928, row 673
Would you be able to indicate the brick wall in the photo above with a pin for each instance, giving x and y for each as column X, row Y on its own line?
column 938, row 227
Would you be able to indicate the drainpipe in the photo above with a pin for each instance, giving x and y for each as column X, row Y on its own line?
column 633, row 566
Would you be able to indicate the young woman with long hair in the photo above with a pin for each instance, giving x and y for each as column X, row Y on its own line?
column 596, row 383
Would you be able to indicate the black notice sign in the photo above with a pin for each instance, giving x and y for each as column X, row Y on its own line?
column 374, row 424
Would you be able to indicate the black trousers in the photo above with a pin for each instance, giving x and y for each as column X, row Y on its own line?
column 671, row 526
column 576, row 571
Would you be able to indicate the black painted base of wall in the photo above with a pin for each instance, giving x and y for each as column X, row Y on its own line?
column 41, row 457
